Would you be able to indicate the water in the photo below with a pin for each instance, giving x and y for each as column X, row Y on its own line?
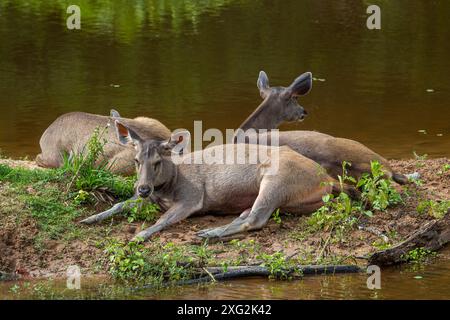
column 179, row 62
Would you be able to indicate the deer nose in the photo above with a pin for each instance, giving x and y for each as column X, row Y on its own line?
column 305, row 113
column 144, row 191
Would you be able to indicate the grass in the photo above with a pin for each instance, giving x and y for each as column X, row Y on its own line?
column 56, row 198
column 143, row 211
column 340, row 213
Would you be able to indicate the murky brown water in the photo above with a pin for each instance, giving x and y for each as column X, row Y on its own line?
column 179, row 62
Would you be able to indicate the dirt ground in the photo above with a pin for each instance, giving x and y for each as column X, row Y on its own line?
column 19, row 253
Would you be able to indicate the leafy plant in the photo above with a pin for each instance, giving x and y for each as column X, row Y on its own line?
column 277, row 265
column 334, row 212
column 276, row 216
column 420, row 159
column 87, row 172
column 142, row 211
column 380, row 244
column 82, row 197
column 126, row 260
column 418, row 255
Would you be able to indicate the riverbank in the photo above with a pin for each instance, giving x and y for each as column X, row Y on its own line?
column 40, row 235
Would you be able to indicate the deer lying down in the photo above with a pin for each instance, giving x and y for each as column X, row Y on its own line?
column 70, row 132
column 279, row 105
column 251, row 190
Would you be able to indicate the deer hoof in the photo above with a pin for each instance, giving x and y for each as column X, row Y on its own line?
column 210, row 233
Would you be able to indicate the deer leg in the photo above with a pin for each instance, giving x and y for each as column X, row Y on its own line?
column 117, row 208
column 175, row 214
column 256, row 219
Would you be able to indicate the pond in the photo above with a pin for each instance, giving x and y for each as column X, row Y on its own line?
column 179, row 62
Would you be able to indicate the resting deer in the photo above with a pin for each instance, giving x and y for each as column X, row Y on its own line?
column 280, row 105
column 70, row 132
column 252, row 190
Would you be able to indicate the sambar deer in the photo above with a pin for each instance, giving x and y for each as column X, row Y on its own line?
column 70, row 132
column 279, row 105
column 284, row 179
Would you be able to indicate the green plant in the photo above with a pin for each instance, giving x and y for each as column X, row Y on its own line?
column 276, row 216
column 202, row 253
column 277, row 264
column 85, row 171
column 420, row 159
column 246, row 249
column 82, row 197
column 444, row 169
column 376, row 190
column 380, row 244
column 126, row 260
column 142, row 211
column 334, row 212
column 435, row 209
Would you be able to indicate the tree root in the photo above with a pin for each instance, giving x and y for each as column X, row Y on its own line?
column 432, row 236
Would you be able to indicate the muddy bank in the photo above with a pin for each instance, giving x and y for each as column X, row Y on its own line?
column 24, row 251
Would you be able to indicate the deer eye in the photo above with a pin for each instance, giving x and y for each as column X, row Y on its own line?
column 136, row 161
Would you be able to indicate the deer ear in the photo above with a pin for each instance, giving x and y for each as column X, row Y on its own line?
column 126, row 135
column 263, row 84
column 301, row 86
column 177, row 142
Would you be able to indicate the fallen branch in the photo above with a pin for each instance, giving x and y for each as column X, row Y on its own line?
column 432, row 236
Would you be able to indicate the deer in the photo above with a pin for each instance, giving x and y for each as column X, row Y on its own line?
column 185, row 186
column 280, row 105
column 70, row 132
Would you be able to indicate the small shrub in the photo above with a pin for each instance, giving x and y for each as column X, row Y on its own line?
column 87, row 173
column 418, row 255
column 334, row 212
column 277, row 265
column 380, row 244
